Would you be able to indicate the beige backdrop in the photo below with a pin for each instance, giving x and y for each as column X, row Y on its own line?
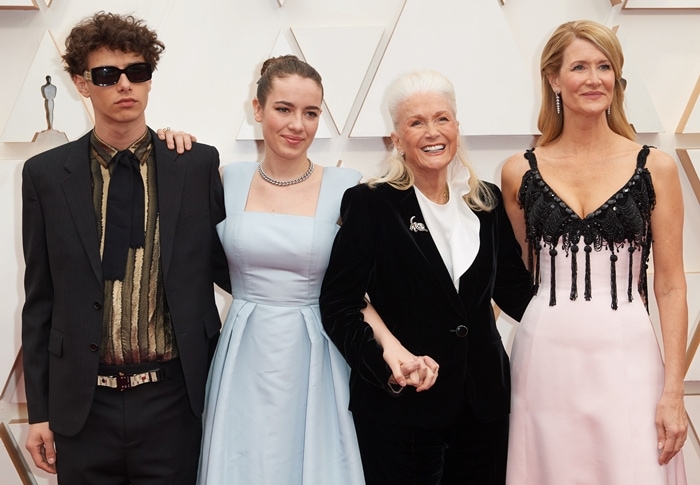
column 205, row 81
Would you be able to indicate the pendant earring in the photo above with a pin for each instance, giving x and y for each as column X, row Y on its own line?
column 557, row 100
column 608, row 110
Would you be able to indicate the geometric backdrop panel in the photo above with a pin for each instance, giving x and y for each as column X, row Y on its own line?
column 28, row 116
column 690, row 161
column 639, row 106
column 250, row 129
column 324, row 46
column 11, row 265
column 474, row 47
column 690, row 120
column 660, row 4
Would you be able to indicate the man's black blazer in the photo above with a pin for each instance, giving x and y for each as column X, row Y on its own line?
column 63, row 310
column 376, row 252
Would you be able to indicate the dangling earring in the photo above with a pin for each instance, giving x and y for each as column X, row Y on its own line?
column 608, row 110
column 557, row 100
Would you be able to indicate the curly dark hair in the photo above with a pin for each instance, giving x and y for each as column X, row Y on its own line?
column 115, row 32
column 281, row 67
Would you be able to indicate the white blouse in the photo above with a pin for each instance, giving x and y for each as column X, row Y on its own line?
column 453, row 226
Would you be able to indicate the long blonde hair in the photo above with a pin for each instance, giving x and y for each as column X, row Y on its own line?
column 549, row 122
column 399, row 175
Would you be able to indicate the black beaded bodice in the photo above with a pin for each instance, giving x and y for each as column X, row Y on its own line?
column 624, row 220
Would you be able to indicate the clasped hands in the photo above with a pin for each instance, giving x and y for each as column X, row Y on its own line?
column 407, row 369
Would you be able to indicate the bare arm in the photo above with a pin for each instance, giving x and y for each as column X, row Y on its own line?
column 670, row 293
column 511, row 177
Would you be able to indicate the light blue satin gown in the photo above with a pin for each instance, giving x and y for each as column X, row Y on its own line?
column 276, row 409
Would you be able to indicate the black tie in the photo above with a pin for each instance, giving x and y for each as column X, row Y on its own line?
column 125, row 215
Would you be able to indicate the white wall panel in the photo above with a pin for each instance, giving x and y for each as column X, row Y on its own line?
column 71, row 112
column 343, row 55
column 639, row 106
column 11, row 265
column 661, row 4
column 691, row 450
column 250, row 129
column 18, row 4
column 690, row 121
column 475, row 48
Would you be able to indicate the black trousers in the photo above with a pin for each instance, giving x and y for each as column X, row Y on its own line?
column 468, row 453
column 146, row 435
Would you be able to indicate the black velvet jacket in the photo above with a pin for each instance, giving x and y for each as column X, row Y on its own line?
column 376, row 252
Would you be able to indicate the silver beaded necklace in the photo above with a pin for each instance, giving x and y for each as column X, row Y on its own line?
column 281, row 183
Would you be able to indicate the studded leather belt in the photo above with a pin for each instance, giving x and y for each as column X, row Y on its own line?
column 124, row 381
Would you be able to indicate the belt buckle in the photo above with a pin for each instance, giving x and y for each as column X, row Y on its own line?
column 123, row 382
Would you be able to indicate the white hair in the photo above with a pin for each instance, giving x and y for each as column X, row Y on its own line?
column 399, row 175
column 419, row 82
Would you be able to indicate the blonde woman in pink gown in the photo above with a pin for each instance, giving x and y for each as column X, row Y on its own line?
column 593, row 402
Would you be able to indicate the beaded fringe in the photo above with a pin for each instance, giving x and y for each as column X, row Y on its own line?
column 573, row 295
column 630, row 251
column 574, row 273
column 553, row 279
column 613, row 281
column 536, row 276
column 587, row 285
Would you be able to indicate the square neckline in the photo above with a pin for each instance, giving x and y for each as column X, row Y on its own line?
column 312, row 216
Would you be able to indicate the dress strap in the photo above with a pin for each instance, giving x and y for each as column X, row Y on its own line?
column 333, row 185
column 237, row 177
column 642, row 156
column 530, row 156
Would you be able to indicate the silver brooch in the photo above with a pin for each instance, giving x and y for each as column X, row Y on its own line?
column 417, row 226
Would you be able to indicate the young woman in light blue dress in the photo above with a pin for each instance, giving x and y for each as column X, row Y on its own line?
column 277, row 396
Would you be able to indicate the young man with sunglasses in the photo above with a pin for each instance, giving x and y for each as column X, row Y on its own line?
column 121, row 252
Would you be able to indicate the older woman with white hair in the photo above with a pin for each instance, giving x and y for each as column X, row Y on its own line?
column 430, row 245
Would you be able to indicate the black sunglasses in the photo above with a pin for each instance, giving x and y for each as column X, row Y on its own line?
column 109, row 75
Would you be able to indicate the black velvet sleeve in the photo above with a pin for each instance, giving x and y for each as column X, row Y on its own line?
column 345, row 284
column 513, row 288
